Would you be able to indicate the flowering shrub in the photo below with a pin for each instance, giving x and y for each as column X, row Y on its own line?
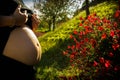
column 96, row 48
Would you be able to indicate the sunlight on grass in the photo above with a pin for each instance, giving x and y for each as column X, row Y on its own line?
column 53, row 64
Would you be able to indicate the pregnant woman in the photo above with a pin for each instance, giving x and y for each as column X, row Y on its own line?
column 20, row 49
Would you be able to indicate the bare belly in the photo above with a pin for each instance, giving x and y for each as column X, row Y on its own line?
column 23, row 46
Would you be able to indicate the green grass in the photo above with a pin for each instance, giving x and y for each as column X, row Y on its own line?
column 53, row 64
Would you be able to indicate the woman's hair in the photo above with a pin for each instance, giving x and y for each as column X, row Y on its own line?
column 9, row 7
column 29, row 21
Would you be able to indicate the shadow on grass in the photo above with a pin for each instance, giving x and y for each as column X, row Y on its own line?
column 54, row 57
column 53, row 60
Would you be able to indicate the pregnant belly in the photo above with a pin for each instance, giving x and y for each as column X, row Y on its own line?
column 23, row 46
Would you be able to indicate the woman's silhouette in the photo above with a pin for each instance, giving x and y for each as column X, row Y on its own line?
column 20, row 49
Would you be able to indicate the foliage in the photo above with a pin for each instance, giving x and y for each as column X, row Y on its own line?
column 96, row 47
column 53, row 11
column 53, row 43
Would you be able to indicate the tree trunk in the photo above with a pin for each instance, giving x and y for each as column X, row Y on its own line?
column 87, row 8
column 49, row 25
column 54, row 21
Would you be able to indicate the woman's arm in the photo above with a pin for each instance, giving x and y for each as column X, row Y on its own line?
column 18, row 18
column 7, row 21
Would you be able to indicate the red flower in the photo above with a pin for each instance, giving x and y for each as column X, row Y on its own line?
column 107, row 64
column 93, row 42
column 116, row 68
column 108, row 26
column 75, row 40
column 88, row 29
column 111, row 54
column 115, row 41
column 72, row 56
column 80, row 24
column 81, row 18
column 103, row 36
column 112, row 33
column 100, row 28
column 115, row 46
column 71, row 36
column 69, row 47
column 104, row 20
column 77, row 45
column 75, row 32
column 86, row 39
column 71, row 60
column 73, row 47
column 82, row 33
column 95, row 64
column 115, row 24
column 118, row 32
column 65, row 52
column 102, row 60
column 94, row 14
column 117, row 14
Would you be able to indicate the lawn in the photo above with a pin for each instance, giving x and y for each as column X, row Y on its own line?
column 56, row 66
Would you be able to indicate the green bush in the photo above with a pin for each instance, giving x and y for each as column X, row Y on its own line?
column 95, row 49
column 53, row 43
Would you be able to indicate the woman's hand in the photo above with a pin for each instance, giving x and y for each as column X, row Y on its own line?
column 19, row 17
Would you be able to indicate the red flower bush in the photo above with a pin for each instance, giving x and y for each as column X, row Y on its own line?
column 96, row 48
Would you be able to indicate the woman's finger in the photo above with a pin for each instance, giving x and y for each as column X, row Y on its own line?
column 25, row 13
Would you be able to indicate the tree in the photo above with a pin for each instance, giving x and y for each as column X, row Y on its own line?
column 87, row 7
column 52, row 9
